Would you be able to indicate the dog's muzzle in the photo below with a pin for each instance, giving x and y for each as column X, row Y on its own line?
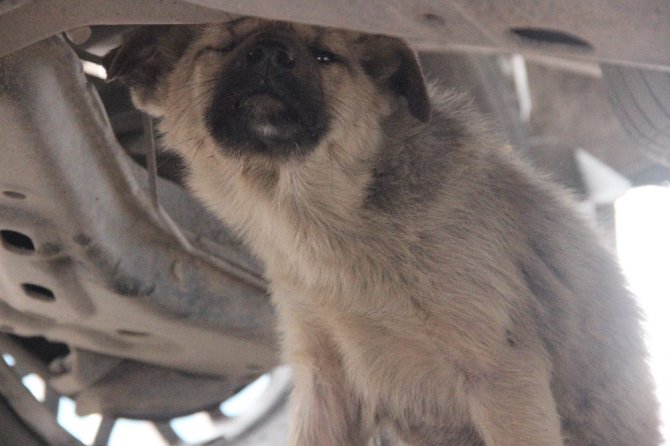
column 269, row 99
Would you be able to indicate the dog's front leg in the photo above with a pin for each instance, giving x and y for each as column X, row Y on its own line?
column 323, row 412
column 515, row 406
column 324, row 409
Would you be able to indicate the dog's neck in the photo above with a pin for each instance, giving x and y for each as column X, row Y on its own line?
column 306, row 219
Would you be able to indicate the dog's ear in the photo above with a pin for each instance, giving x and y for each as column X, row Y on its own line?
column 144, row 60
column 394, row 65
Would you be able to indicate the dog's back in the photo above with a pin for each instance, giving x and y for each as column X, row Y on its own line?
column 512, row 248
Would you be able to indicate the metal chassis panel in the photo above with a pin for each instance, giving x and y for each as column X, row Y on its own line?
column 633, row 32
column 122, row 283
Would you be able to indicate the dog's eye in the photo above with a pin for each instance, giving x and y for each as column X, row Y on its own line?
column 324, row 57
column 220, row 49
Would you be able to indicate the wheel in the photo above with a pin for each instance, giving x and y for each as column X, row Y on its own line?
column 641, row 100
column 32, row 414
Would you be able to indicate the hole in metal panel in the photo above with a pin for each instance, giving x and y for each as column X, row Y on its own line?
column 41, row 348
column 551, row 36
column 38, row 292
column 14, row 194
column 431, row 19
column 17, row 241
column 133, row 333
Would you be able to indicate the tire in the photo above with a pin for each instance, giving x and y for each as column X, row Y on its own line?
column 641, row 100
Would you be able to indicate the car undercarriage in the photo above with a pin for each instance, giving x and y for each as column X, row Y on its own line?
column 124, row 293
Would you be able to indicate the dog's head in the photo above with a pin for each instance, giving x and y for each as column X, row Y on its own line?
column 267, row 88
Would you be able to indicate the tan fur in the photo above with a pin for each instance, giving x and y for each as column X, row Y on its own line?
column 469, row 306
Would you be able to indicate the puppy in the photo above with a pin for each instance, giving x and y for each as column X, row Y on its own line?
column 423, row 279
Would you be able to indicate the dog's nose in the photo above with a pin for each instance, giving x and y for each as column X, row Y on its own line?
column 270, row 54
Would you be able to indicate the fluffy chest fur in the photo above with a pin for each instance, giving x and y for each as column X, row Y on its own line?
column 366, row 278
